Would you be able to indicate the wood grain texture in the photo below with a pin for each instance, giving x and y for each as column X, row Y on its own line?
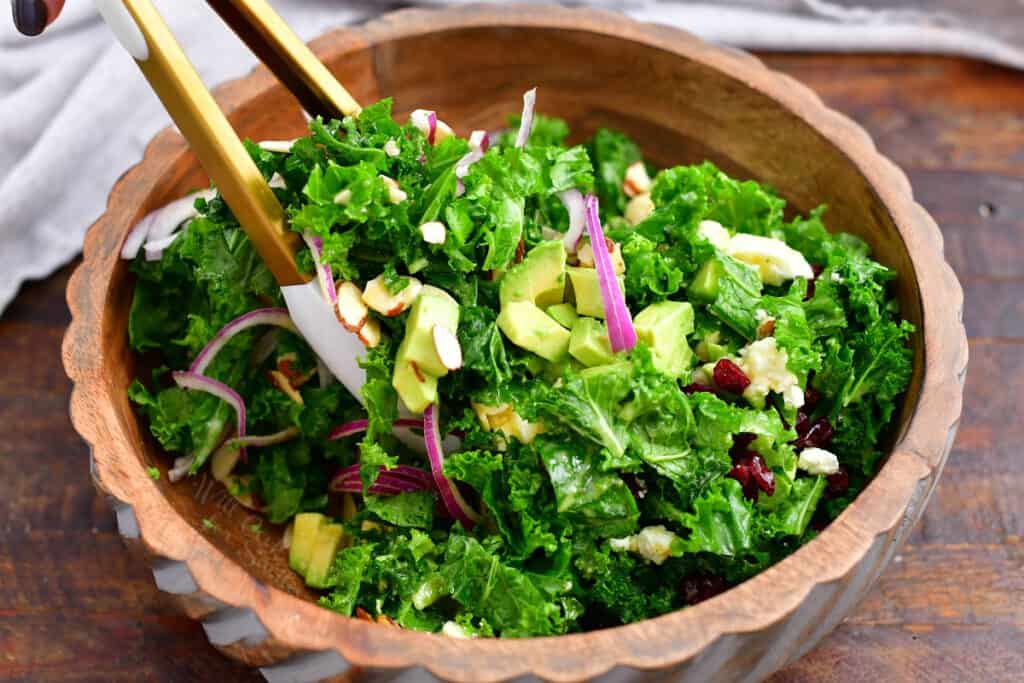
column 965, row 630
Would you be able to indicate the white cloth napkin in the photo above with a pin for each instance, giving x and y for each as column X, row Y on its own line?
column 75, row 112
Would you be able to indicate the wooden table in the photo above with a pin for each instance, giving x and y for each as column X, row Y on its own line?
column 75, row 606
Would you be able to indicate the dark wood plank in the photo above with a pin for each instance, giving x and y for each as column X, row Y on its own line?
column 75, row 606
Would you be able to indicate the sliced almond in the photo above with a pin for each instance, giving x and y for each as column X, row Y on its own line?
column 391, row 148
column 281, row 381
column 351, row 309
column 277, row 181
column 637, row 181
column 343, row 197
column 369, row 333
column 766, row 328
column 447, row 346
column 433, row 232
column 377, row 296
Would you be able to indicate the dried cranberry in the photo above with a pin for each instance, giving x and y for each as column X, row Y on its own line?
column 816, row 269
column 753, row 475
column 839, row 482
column 803, row 423
column 811, row 398
column 697, row 386
column 729, row 377
column 816, row 435
column 700, row 587
column 741, row 445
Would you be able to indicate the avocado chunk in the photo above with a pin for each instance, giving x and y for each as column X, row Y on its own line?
column 539, row 279
column 304, row 532
column 530, row 328
column 416, row 388
column 704, row 287
column 417, row 365
column 589, row 343
column 563, row 314
column 663, row 328
column 587, row 290
column 328, row 541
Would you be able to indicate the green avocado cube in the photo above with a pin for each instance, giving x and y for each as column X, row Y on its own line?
column 416, row 388
column 663, row 328
column 530, row 328
column 432, row 307
column 589, row 343
column 587, row 290
column 563, row 314
column 328, row 541
column 539, row 278
column 304, row 532
column 704, row 287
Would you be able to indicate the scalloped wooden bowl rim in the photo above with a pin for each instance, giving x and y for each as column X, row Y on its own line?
column 763, row 602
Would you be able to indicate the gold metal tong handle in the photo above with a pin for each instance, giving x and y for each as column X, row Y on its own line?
column 294, row 64
column 216, row 143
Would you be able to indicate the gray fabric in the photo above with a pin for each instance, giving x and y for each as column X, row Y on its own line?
column 75, row 113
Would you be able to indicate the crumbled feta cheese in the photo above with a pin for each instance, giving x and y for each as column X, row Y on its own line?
column 639, row 208
column 391, row 148
column 343, row 197
column 773, row 259
column 278, row 146
column 653, row 543
column 765, row 365
column 835, row 277
column 760, row 315
column 818, row 461
column 454, row 630
column 701, row 375
column 277, row 181
column 715, row 233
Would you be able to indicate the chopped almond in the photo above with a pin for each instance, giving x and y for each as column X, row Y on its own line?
column 585, row 255
column 350, row 308
column 369, row 333
column 434, row 232
column 377, row 296
column 639, row 208
column 395, row 193
column 637, row 181
column 766, row 328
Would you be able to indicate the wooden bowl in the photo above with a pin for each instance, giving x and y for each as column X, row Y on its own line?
column 684, row 101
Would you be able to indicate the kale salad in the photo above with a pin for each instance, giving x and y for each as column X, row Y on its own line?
column 595, row 392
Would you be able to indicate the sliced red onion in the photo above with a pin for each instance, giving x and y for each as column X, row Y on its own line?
column 453, row 500
column 181, row 467
column 155, row 248
column 620, row 323
column 526, row 121
column 177, row 212
column 359, row 426
column 402, row 478
column 282, row 436
column 261, row 316
column 573, row 200
column 431, row 126
column 136, row 236
column 478, row 143
column 323, row 270
column 197, row 382
column 460, row 187
column 323, row 373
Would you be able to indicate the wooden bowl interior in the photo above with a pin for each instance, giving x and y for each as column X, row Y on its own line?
column 680, row 111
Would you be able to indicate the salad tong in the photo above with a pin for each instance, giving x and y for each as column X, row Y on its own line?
column 141, row 30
